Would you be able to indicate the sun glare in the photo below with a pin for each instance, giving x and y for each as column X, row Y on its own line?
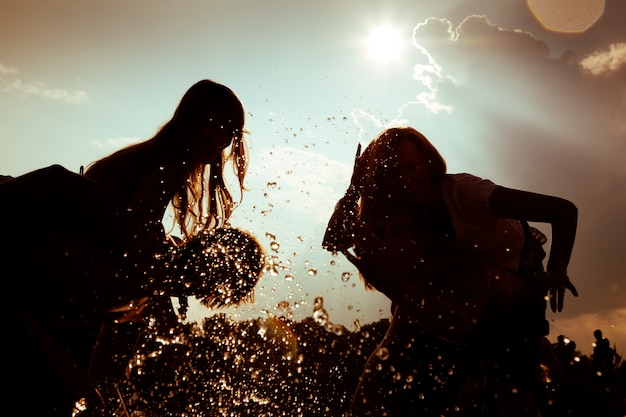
column 384, row 44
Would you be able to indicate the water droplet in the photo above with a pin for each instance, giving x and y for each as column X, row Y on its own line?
column 320, row 315
column 383, row 353
column 283, row 305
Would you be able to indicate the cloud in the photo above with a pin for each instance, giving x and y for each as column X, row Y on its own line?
column 38, row 89
column 478, row 63
column 453, row 57
column 607, row 63
column 477, row 35
column 476, row 41
column 369, row 125
column 522, row 115
column 7, row 70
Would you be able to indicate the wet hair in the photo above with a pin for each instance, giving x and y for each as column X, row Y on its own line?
column 203, row 200
column 375, row 164
column 220, row 267
column 376, row 201
column 191, row 211
column 379, row 154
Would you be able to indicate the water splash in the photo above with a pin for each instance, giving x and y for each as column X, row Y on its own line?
column 320, row 315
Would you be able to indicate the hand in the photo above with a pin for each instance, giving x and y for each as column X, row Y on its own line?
column 338, row 235
column 557, row 283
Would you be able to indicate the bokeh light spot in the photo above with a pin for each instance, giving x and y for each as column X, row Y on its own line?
column 567, row 15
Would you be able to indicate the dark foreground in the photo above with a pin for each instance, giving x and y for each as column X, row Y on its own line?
column 276, row 367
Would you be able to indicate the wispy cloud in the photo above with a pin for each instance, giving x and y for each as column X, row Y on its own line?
column 7, row 70
column 450, row 55
column 9, row 84
column 607, row 63
column 368, row 124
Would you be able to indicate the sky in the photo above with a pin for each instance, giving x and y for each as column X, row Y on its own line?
column 531, row 95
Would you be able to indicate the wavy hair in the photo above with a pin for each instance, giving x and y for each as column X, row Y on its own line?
column 203, row 203
column 374, row 166
column 203, row 199
column 373, row 172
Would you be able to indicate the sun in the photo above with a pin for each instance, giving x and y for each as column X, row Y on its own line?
column 384, row 44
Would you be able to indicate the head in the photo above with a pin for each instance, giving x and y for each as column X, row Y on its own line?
column 399, row 166
column 220, row 267
column 209, row 120
column 598, row 334
column 395, row 173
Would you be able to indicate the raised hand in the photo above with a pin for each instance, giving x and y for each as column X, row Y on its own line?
column 338, row 236
column 557, row 283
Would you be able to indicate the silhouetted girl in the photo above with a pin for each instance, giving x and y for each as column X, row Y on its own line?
column 79, row 246
column 452, row 251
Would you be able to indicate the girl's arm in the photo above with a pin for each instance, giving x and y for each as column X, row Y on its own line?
column 562, row 216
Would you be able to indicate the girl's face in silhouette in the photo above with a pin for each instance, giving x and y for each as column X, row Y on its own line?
column 409, row 179
column 215, row 134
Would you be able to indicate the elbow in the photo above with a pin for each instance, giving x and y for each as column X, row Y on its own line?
column 570, row 210
column 565, row 212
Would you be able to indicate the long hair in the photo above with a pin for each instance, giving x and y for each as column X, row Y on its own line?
column 376, row 201
column 203, row 199
column 203, row 203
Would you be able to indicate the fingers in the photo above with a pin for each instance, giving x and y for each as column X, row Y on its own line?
column 557, row 296
column 556, row 299
column 561, row 293
column 557, row 283
column 356, row 171
column 552, row 295
column 337, row 236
